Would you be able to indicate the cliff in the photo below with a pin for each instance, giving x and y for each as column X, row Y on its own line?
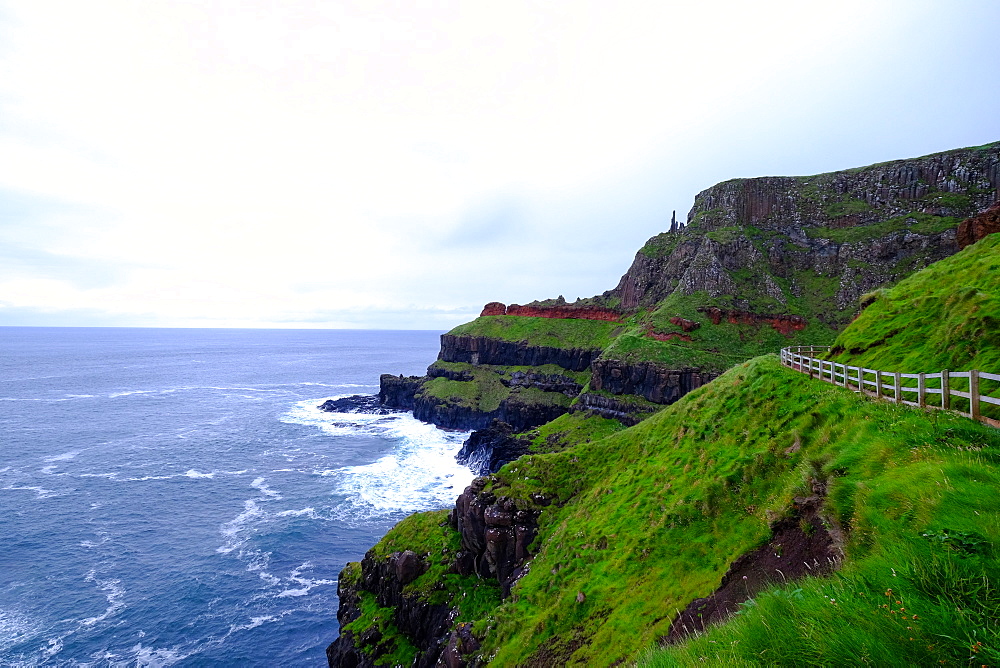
column 761, row 263
column 762, row 474
column 633, row 445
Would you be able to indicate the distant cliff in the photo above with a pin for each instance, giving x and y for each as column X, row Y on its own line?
column 843, row 233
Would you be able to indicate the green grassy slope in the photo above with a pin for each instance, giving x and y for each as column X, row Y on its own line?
column 944, row 317
column 550, row 332
column 650, row 518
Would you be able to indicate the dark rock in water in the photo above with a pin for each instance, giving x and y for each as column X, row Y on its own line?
column 487, row 450
column 398, row 391
column 358, row 403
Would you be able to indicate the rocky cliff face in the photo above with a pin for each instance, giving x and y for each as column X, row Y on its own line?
column 975, row 228
column 483, row 350
column 495, row 534
column 651, row 381
column 860, row 228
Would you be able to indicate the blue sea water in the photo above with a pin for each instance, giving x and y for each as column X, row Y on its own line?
column 176, row 497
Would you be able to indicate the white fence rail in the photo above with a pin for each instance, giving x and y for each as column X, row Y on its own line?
column 926, row 390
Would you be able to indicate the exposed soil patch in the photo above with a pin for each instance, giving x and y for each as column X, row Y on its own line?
column 800, row 545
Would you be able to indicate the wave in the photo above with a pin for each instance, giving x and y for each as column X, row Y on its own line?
column 113, row 592
column 420, row 474
column 63, row 457
column 16, row 627
column 307, row 584
column 40, row 492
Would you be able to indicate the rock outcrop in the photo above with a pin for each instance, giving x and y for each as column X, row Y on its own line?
column 398, row 391
column 629, row 413
column 786, row 324
column 487, row 450
column 423, row 623
column 484, row 350
column 975, row 228
column 496, row 534
column 654, row 382
column 855, row 229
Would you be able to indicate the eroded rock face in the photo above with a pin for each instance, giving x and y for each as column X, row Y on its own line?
column 398, row 391
column 786, row 324
column 424, row 624
column 975, row 228
column 802, row 544
column 649, row 380
column 628, row 413
column 487, row 450
column 496, row 535
column 781, row 230
column 483, row 350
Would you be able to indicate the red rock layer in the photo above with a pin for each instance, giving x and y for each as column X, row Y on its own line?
column 786, row 324
column 568, row 311
column 973, row 229
column 685, row 324
column 668, row 337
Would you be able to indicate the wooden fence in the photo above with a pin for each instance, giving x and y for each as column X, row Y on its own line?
column 928, row 390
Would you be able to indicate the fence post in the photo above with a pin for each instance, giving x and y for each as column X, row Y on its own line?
column 878, row 383
column 974, row 394
column 945, row 390
column 921, row 391
column 896, row 391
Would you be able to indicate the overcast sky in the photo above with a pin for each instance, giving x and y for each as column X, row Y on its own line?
column 244, row 163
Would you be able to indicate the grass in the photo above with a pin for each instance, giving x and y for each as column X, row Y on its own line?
column 944, row 317
column 917, row 222
column 713, row 348
column 663, row 508
column 569, row 430
column 551, row 332
column 649, row 518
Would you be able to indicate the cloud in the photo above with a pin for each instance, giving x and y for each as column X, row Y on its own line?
column 265, row 163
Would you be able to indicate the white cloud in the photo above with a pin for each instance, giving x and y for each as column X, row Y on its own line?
column 256, row 162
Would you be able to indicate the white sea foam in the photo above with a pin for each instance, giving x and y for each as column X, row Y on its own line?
column 309, row 512
column 155, row 658
column 306, row 584
column 40, row 492
column 113, row 592
column 421, row 474
column 339, row 424
column 104, row 538
column 16, row 627
column 63, row 457
column 191, row 473
column 259, row 485
column 232, row 529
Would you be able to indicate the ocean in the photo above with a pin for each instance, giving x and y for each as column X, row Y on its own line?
column 175, row 496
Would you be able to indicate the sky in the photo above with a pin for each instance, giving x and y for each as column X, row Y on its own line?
column 396, row 165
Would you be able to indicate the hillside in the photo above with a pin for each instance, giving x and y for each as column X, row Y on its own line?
column 761, row 263
column 945, row 317
column 631, row 528
column 598, row 542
